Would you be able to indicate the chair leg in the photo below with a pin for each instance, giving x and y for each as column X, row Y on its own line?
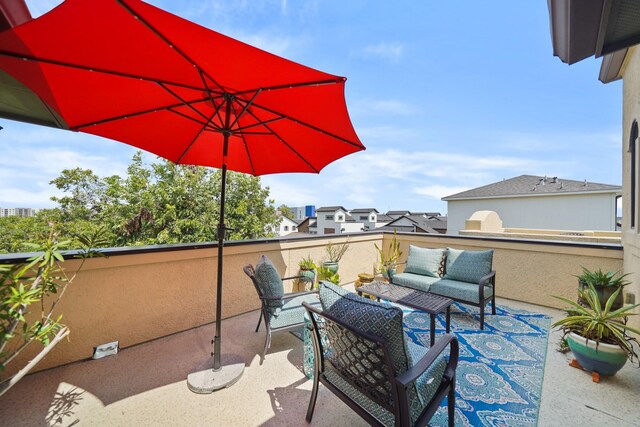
column 451, row 403
column 493, row 303
column 267, row 344
column 314, row 396
column 259, row 321
column 482, row 317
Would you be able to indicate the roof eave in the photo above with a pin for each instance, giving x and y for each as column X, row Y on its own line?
column 509, row 196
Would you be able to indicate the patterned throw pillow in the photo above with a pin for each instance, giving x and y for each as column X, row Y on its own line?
column 468, row 266
column 424, row 261
column 270, row 283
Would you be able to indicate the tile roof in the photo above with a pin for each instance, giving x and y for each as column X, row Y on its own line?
column 363, row 210
column 531, row 185
column 330, row 209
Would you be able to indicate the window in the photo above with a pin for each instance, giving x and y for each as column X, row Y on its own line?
column 329, row 217
column 340, row 217
column 633, row 137
column 373, row 218
column 286, row 228
column 363, row 217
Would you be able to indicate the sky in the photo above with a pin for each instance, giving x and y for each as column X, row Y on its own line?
column 446, row 96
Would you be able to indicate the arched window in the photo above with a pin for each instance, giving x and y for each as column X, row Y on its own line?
column 633, row 136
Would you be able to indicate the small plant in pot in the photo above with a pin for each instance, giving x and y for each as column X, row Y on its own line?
column 598, row 336
column 326, row 274
column 605, row 284
column 388, row 262
column 334, row 252
column 307, row 272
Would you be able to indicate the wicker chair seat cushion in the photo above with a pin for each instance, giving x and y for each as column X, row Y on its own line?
column 424, row 261
column 414, row 281
column 468, row 266
column 292, row 312
column 270, row 283
column 380, row 413
column 460, row 290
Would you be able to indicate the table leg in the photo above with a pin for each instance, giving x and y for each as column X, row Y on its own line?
column 448, row 318
column 433, row 329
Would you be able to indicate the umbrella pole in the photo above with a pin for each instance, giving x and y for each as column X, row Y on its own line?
column 220, row 376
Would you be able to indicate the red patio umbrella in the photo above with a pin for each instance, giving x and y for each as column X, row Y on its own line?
column 126, row 70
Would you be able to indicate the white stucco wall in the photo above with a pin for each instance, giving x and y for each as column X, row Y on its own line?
column 566, row 212
column 631, row 237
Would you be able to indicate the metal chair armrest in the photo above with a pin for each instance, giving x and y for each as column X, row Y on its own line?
column 423, row 364
column 488, row 278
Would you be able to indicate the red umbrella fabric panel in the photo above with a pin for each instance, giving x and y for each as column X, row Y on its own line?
column 131, row 72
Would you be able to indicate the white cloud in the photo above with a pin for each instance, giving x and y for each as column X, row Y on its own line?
column 384, row 50
column 382, row 107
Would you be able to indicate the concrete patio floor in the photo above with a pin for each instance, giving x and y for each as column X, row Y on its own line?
column 146, row 385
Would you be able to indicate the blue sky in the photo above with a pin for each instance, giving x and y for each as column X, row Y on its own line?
column 446, row 96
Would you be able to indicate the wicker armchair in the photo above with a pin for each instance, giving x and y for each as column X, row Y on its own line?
column 384, row 378
column 281, row 312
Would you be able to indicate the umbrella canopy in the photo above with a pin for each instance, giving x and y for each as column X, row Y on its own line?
column 128, row 71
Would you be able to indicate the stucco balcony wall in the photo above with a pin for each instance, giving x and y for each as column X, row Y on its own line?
column 136, row 295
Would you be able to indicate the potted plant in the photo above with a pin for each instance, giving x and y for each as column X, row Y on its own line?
column 307, row 272
column 334, row 252
column 325, row 273
column 597, row 335
column 388, row 263
column 605, row 285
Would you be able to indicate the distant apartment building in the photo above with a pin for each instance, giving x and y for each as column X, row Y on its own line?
column 537, row 202
column 302, row 212
column 21, row 212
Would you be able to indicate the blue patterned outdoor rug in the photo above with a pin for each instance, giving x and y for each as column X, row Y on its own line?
column 499, row 375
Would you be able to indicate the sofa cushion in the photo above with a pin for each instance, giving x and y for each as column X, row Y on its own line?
column 292, row 312
column 414, row 281
column 424, row 261
column 468, row 266
column 270, row 283
column 460, row 290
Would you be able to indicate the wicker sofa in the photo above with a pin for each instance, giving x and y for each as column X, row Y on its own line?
column 462, row 275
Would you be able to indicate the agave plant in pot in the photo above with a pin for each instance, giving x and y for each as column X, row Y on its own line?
column 599, row 335
column 605, row 284
column 388, row 261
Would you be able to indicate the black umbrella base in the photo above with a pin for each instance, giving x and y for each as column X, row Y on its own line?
column 206, row 380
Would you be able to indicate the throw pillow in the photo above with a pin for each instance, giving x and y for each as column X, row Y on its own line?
column 424, row 261
column 270, row 283
column 468, row 266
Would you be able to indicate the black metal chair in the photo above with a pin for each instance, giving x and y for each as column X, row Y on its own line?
column 280, row 314
column 359, row 368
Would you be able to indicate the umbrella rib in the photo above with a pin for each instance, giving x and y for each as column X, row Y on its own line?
column 241, row 129
column 187, row 104
column 186, row 150
column 134, row 114
column 246, row 107
column 246, row 149
column 167, row 41
column 92, row 69
column 287, row 145
column 296, row 85
column 310, row 126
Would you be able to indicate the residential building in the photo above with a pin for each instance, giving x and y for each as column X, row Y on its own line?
column 611, row 31
column 21, row 212
column 302, row 212
column 287, row 226
column 537, row 202
column 368, row 217
column 308, row 225
column 425, row 222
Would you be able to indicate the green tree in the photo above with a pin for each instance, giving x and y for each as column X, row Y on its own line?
column 285, row 211
column 158, row 203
